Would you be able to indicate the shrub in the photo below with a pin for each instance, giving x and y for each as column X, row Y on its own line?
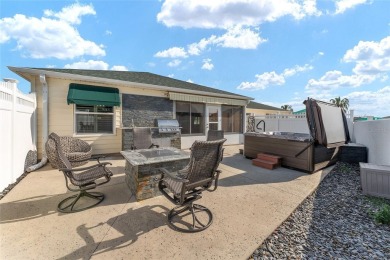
column 383, row 215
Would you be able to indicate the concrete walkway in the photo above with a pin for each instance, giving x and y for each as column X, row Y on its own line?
column 249, row 204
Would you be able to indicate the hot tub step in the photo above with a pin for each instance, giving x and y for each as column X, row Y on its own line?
column 270, row 158
column 264, row 164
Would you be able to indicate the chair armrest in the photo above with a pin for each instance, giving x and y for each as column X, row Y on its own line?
column 216, row 179
column 85, row 168
column 165, row 172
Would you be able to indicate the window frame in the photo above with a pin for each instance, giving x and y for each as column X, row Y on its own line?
column 75, row 113
column 231, row 107
column 190, row 114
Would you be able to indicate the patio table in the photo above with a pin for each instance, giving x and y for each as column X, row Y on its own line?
column 142, row 168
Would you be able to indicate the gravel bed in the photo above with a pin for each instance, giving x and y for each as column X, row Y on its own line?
column 334, row 222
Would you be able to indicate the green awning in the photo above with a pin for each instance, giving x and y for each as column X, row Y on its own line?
column 93, row 95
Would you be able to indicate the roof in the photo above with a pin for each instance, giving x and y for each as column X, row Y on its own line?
column 255, row 105
column 138, row 77
column 302, row 111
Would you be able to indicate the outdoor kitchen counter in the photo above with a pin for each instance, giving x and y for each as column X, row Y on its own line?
column 142, row 168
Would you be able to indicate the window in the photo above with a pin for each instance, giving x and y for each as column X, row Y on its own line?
column 94, row 119
column 190, row 117
column 232, row 117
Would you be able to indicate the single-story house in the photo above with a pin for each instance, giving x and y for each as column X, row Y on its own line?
column 102, row 107
column 258, row 109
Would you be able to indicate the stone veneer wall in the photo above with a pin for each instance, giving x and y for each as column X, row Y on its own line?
column 142, row 111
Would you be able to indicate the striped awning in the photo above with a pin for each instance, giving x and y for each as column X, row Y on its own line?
column 206, row 99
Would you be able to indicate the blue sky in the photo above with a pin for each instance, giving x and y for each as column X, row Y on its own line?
column 277, row 52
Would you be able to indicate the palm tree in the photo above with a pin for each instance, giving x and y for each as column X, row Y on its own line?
column 286, row 107
column 342, row 103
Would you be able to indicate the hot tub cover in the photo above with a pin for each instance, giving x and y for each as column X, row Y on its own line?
column 327, row 123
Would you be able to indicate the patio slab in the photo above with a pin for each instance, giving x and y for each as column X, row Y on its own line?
column 249, row 204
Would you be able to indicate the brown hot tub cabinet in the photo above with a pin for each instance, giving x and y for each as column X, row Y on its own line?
column 307, row 152
column 299, row 153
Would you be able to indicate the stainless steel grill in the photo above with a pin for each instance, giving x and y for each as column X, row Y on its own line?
column 168, row 126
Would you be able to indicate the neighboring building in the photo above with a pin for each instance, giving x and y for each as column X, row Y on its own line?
column 300, row 112
column 101, row 107
column 258, row 109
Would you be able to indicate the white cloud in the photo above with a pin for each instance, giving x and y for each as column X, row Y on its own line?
column 239, row 37
column 119, row 68
column 190, row 81
column 263, row 81
column 50, row 37
column 171, row 75
column 235, row 37
column 228, row 13
column 343, row 5
column 174, row 63
column 108, row 32
column 324, row 87
column 151, row 64
column 296, row 69
column 174, row 52
column 207, row 65
column 91, row 64
column 372, row 103
column 198, row 47
column 321, row 53
column 370, row 57
column 272, row 78
column 71, row 14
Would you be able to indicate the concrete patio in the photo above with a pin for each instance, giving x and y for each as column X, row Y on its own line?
column 248, row 205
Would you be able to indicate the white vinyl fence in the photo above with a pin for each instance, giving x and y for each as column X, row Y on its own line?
column 290, row 123
column 16, row 131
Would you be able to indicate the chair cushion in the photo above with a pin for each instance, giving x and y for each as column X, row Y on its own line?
column 73, row 149
column 88, row 176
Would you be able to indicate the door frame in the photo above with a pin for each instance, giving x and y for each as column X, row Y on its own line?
column 208, row 106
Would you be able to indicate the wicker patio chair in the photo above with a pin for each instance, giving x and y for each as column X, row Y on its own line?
column 142, row 138
column 213, row 135
column 80, row 180
column 77, row 151
column 185, row 186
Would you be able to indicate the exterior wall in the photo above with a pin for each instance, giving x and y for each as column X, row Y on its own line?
column 375, row 135
column 142, row 111
column 265, row 112
column 150, row 105
column 61, row 115
column 187, row 141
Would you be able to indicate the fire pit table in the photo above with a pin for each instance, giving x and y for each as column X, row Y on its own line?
column 142, row 168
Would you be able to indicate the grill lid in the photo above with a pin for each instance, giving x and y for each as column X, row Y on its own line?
column 168, row 126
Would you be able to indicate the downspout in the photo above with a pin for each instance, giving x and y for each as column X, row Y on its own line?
column 45, row 92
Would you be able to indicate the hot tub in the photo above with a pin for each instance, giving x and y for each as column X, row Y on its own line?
column 296, row 149
column 307, row 152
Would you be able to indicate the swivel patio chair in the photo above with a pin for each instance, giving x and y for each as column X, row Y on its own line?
column 185, row 186
column 77, row 151
column 142, row 138
column 80, row 180
column 213, row 135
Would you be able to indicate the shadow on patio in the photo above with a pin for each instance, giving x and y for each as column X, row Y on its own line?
column 248, row 205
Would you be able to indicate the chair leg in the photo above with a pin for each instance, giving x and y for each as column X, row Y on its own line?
column 65, row 207
column 175, row 219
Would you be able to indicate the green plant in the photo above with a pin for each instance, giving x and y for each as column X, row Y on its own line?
column 383, row 215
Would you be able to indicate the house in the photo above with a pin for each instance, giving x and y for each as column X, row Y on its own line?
column 258, row 109
column 101, row 107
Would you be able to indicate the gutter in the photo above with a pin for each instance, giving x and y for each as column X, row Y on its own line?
column 45, row 119
column 121, row 82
